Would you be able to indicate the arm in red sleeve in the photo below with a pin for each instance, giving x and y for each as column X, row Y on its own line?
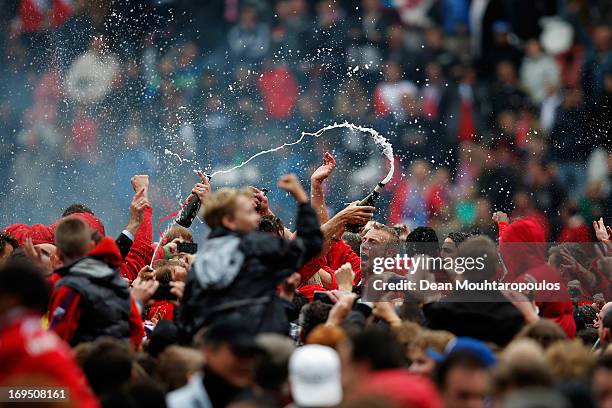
column 136, row 326
column 310, row 268
column 64, row 312
column 141, row 252
column 501, row 226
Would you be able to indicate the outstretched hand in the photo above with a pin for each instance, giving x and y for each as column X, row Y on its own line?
column 356, row 214
column 324, row 170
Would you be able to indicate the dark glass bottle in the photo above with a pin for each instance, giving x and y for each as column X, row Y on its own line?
column 369, row 200
column 189, row 211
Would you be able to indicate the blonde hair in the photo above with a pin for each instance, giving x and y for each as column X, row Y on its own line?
column 434, row 339
column 569, row 359
column 221, row 203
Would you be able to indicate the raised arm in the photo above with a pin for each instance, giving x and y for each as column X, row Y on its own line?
column 317, row 194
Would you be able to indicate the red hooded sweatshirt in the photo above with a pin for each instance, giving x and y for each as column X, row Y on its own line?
column 523, row 249
column 33, row 357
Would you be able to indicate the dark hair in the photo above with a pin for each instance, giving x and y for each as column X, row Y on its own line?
column 107, row 364
column 423, row 240
column 353, row 240
column 6, row 238
column 77, row 208
column 458, row 236
column 273, row 224
column 20, row 278
column 367, row 347
column 312, row 315
column 460, row 358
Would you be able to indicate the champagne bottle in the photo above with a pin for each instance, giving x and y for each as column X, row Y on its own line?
column 369, row 200
column 190, row 210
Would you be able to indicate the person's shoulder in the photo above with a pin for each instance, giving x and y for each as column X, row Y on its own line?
column 192, row 394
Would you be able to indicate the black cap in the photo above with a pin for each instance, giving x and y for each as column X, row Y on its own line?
column 165, row 334
column 234, row 332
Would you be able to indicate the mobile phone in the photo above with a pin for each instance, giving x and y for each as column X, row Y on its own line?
column 187, row 247
column 322, row 296
column 163, row 292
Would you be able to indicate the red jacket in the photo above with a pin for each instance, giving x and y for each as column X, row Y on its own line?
column 523, row 249
column 160, row 310
column 142, row 251
column 338, row 255
column 66, row 323
column 32, row 357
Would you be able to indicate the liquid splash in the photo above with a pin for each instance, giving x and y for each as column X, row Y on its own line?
column 380, row 140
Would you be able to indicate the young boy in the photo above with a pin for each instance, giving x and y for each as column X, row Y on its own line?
column 91, row 299
column 238, row 268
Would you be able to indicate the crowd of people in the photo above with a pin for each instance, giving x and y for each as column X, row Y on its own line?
column 499, row 115
column 257, row 315
column 97, row 91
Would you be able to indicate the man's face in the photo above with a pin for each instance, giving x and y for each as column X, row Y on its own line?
column 8, row 249
column 49, row 256
column 373, row 244
column 449, row 249
column 235, row 368
column 602, row 387
column 465, row 388
column 245, row 218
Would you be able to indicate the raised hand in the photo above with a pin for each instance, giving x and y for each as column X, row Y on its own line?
column 500, row 216
column 324, row 170
column 260, row 201
column 386, row 311
column 291, row 184
column 140, row 181
column 356, row 214
column 345, row 276
column 341, row 309
column 602, row 232
column 202, row 188
column 137, row 207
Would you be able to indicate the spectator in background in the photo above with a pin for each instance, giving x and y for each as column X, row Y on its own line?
column 539, row 72
column 507, row 93
column 388, row 95
column 249, row 40
column 569, row 143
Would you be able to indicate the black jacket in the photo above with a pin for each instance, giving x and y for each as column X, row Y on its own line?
column 486, row 316
column 236, row 274
column 106, row 303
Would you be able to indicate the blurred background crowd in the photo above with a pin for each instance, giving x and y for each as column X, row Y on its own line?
column 489, row 104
